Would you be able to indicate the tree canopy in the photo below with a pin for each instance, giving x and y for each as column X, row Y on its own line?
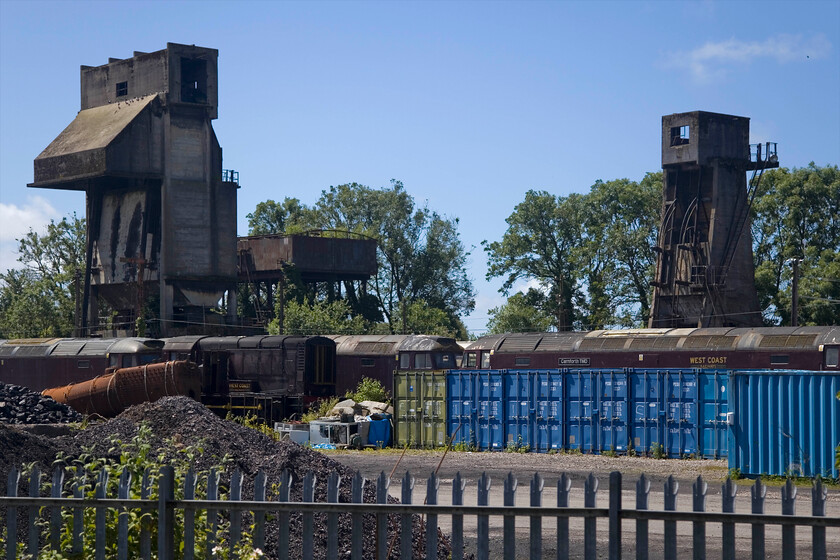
column 796, row 215
column 421, row 285
column 591, row 253
column 38, row 300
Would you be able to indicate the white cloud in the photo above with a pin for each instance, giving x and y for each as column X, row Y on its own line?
column 16, row 221
column 713, row 59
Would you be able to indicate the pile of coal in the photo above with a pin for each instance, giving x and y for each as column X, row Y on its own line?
column 19, row 405
column 176, row 426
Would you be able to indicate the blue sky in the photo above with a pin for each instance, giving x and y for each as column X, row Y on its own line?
column 470, row 104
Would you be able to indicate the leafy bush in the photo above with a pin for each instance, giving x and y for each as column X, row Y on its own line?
column 320, row 408
column 369, row 390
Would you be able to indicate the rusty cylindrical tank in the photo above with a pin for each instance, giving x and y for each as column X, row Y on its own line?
column 110, row 394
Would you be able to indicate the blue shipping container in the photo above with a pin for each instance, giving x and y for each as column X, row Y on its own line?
column 784, row 422
column 612, row 411
column 549, row 410
column 476, row 408
column 581, row 410
column 520, row 419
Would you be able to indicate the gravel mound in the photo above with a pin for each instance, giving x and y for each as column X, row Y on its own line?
column 178, row 422
column 19, row 405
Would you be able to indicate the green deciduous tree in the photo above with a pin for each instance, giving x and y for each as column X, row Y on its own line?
column 796, row 214
column 39, row 299
column 272, row 217
column 319, row 317
column 521, row 313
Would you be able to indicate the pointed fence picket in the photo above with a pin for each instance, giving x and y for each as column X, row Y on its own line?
column 392, row 519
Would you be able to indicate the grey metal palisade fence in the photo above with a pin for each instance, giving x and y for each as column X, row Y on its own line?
column 614, row 514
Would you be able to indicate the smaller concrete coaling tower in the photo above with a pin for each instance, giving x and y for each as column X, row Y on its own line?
column 161, row 219
column 704, row 272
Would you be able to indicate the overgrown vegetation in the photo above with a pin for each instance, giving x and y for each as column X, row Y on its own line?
column 319, row 409
column 136, row 459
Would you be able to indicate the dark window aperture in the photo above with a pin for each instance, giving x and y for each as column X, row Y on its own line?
column 422, row 361
column 368, row 362
column 679, row 135
column 83, row 364
column 193, row 80
column 405, row 360
column 122, row 89
column 832, row 357
column 523, row 361
column 470, row 359
column 779, row 359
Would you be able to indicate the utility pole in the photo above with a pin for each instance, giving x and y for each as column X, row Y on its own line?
column 794, row 312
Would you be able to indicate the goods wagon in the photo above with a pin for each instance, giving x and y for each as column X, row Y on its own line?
column 783, row 348
column 43, row 363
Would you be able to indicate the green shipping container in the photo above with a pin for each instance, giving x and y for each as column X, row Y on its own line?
column 420, row 408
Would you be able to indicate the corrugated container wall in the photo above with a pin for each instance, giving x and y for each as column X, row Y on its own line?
column 784, row 423
column 476, row 408
column 420, row 408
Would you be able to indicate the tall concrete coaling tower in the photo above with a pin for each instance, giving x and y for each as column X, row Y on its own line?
column 161, row 220
column 705, row 275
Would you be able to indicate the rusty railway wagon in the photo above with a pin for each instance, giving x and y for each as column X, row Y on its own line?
column 380, row 356
column 270, row 376
column 781, row 348
column 44, row 363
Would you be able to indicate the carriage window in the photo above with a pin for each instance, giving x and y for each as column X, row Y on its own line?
column 405, row 361
column 458, row 360
column 116, row 360
column 368, row 362
column 147, row 359
column 523, row 361
column 485, row 360
column 422, row 361
column 83, row 364
column 470, row 359
column 832, row 357
column 779, row 359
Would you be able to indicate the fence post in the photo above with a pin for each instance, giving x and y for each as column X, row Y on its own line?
column 789, row 531
column 564, row 485
column 309, row 480
column 590, row 492
column 333, row 481
column 166, row 519
column 55, row 513
column 283, row 516
column 757, row 493
column 11, row 514
column 457, row 520
column 212, row 514
column 728, row 492
column 123, row 492
column 642, row 495
column 101, row 514
column 259, row 516
column 615, row 515
column 537, row 485
column 382, row 484
column 34, row 492
column 145, row 516
column 672, row 488
column 509, row 523
column 483, row 521
column 235, row 515
column 357, row 518
column 189, row 516
column 699, row 489
column 79, row 483
column 406, row 518
column 432, row 486
column 818, row 497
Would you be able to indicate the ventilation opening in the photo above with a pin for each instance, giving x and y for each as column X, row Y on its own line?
column 679, row 135
column 193, row 80
column 122, row 89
